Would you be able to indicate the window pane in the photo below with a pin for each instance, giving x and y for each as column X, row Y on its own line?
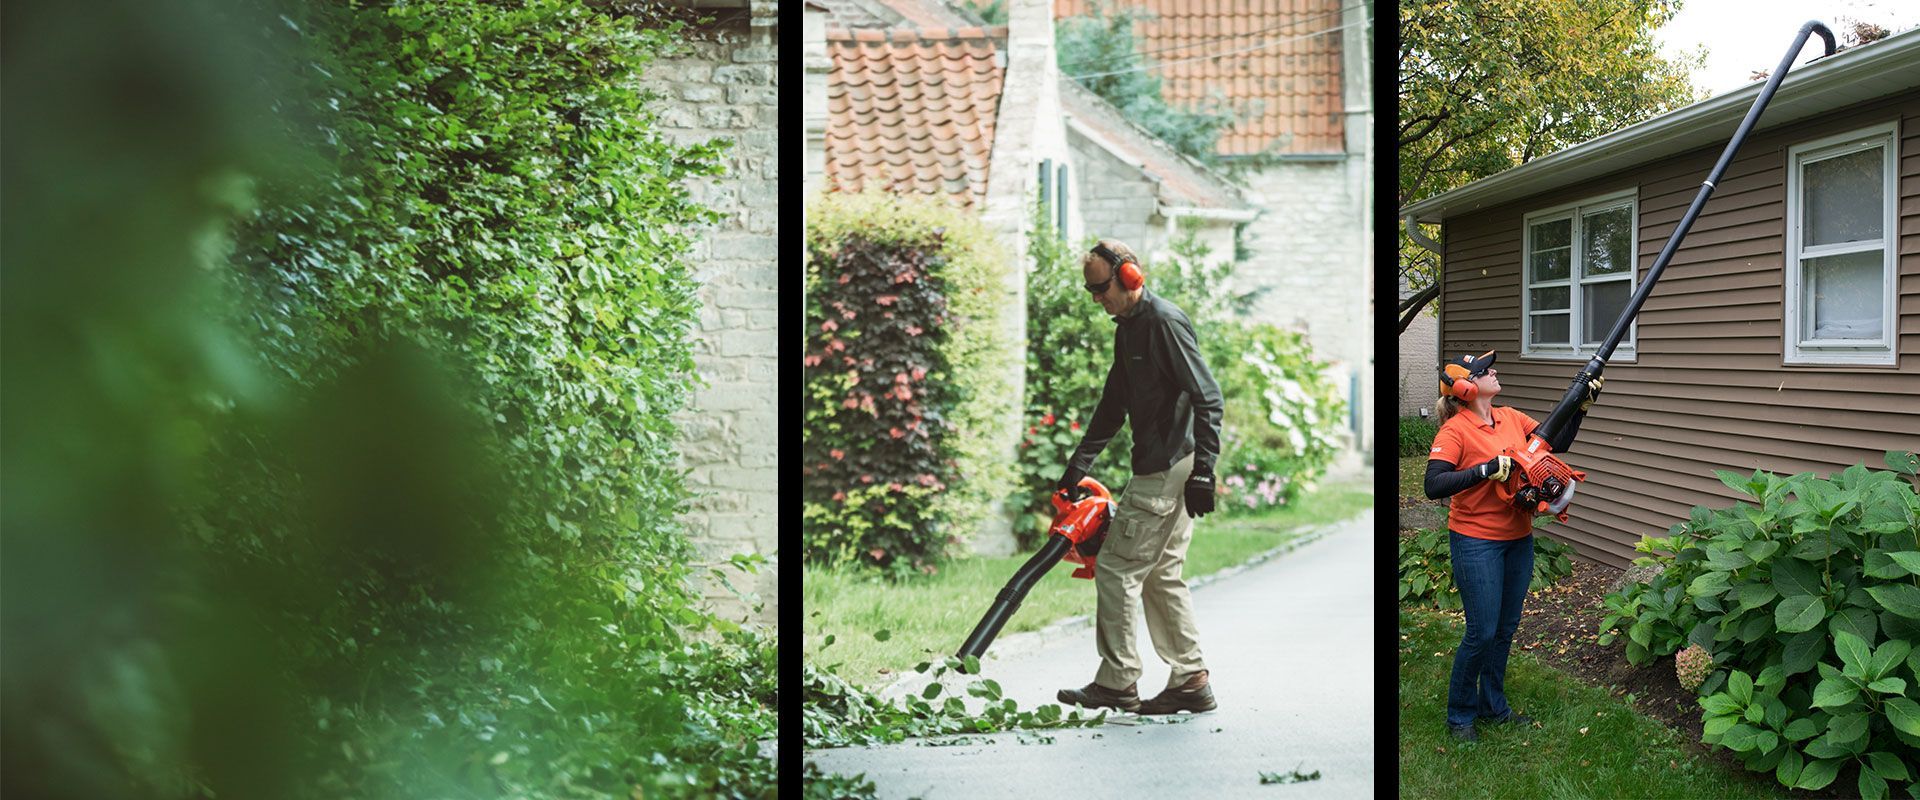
column 1607, row 242
column 1550, row 329
column 1844, row 196
column 1843, row 296
column 1554, row 299
column 1558, row 233
column 1602, row 304
column 1552, row 265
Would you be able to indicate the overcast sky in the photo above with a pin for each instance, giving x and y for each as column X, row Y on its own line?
column 1742, row 36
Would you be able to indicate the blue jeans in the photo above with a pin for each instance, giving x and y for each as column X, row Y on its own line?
column 1492, row 578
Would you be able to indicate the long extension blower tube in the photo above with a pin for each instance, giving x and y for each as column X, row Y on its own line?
column 1550, row 483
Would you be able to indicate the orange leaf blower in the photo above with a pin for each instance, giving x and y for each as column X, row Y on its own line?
column 1541, row 482
column 1076, row 534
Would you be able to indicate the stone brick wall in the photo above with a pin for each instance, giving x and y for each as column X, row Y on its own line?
column 1419, row 354
column 1116, row 199
column 1310, row 249
column 723, row 84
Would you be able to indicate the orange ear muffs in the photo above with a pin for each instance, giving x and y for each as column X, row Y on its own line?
column 1460, row 387
column 1126, row 269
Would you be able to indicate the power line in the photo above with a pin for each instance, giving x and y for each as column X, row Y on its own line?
column 1164, row 64
column 1217, row 39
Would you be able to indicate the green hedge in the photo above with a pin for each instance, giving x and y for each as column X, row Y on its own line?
column 909, row 400
column 397, row 440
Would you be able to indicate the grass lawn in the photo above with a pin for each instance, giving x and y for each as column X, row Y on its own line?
column 1413, row 477
column 1589, row 744
column 928, row 617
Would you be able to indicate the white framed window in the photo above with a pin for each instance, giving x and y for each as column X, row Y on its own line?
column 1840, row 258
column 1577, row 271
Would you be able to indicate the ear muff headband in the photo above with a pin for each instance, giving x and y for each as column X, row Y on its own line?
column 1461, row 388
column 1125, row 269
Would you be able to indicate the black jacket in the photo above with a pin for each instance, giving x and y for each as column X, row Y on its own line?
column 1159, row 380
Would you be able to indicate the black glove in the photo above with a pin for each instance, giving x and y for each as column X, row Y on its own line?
column 1495, row 469
column 1070, row 483
column 1593, row 393
column 1200, row 494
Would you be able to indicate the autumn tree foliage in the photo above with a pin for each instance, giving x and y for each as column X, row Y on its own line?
column 1486, row 85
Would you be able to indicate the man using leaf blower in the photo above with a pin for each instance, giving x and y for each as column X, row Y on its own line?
column 1159, row 381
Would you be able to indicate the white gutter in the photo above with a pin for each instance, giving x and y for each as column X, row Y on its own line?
column 1419, row 237
column 1667, row 134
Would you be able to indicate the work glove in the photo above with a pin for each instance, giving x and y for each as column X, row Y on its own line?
column 1496, row 468
column 1593, row 393
column 1070, row 483
column 1200, row 494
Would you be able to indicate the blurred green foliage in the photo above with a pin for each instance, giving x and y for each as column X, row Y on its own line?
column 1100, row 52
column 343, row 344
column 907, row 379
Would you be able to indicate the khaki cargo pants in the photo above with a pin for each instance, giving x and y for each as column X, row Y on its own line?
column 1140, row 563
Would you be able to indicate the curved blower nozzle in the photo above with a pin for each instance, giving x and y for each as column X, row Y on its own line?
column 1076, row 534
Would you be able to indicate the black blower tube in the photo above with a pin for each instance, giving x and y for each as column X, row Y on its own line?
column 1576, row 393
column 1008, row 600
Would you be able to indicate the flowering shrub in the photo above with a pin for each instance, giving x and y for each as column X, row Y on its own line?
column 907, row 401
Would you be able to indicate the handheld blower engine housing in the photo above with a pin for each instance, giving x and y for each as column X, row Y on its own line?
column 1078, row 530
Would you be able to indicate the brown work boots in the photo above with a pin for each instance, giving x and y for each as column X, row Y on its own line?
column 1093, row 695
column 1191, row 695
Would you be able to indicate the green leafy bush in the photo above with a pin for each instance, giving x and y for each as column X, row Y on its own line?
column 1426, row 568
column 1820, row 572
column 1102, row 44
column 1416, row 436
column 908, row 409
column 394, row 493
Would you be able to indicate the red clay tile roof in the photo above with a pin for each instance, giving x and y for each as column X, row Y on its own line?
column 1290, row 87
column 912, row 111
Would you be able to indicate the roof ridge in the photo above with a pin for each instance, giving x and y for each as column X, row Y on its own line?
column 996, row 34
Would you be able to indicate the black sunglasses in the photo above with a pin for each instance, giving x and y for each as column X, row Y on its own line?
column 1098, row 288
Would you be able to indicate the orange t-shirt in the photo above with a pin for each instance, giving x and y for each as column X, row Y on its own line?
column 1466, row 440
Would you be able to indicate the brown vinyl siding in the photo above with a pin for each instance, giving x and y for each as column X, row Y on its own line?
column 1707, row 387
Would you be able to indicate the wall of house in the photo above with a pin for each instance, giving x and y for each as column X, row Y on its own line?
column 1311, row 250
column 1707, row 389
column 1419, row 355
column 724, row 85
column 1118, row 201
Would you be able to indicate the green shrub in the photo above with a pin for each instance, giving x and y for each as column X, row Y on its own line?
column 1426, row 568
column 1822, row 572
column 1416, row 436
column 396, row 496
column 1278, row 433
column 909, row 411
column 1069, row 348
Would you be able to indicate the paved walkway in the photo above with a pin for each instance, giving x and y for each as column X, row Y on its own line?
column 1290, row 646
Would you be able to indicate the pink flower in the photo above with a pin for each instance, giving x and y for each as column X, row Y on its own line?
column 1047, row 419
column 829, row 326
column 837, row 454
column 1074, row 426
